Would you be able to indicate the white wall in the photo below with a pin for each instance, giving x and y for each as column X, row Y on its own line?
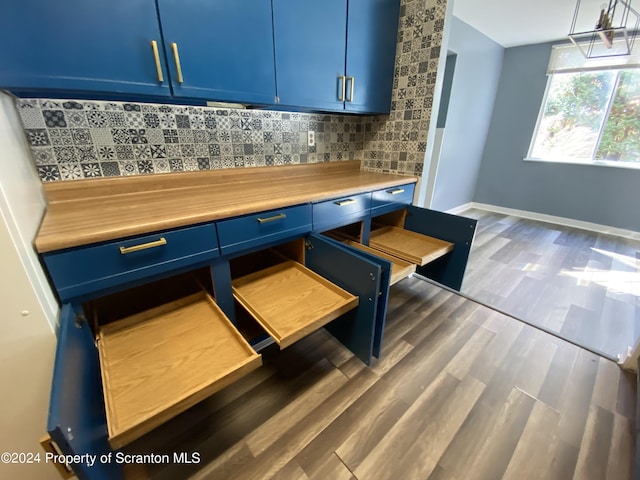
column 29, row 310
column 586, row 193
column 473, row 92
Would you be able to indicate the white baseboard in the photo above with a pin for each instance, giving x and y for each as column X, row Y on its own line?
column 461, row 208
column 541, row 217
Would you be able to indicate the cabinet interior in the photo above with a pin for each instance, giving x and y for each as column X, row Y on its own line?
column 287, row 299
column 353, row 231
column 391, row 219
column 163, row 347
column 263, row 259
column 135, row 300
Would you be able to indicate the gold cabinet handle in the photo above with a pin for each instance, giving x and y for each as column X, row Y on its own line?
column 343, row 79
column 345, row 202
column 176, row 57
column 396, row 191
column 156, row 57
column 143, row 246
column 280, row 216
column 353, row 81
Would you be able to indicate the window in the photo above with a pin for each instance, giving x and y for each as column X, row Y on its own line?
column 590, row 114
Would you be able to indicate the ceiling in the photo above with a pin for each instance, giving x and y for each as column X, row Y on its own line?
column 521, row 22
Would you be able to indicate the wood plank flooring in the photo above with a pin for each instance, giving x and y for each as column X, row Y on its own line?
column 580, row 285
column 461, row 392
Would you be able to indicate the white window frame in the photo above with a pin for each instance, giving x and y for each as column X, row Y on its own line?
column 566, row 58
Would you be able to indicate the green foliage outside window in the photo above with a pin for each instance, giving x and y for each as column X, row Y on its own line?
column 593, row 115
column 621, row 135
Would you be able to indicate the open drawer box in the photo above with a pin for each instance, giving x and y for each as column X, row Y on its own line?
column 400, row 268
column 287, row 299
column 158, row 362
column 389, row 235
column 437, row 244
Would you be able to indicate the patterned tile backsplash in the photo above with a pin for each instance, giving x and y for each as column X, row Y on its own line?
column 71, row 139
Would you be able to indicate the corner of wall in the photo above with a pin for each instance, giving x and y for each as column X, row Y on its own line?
column 22, row 204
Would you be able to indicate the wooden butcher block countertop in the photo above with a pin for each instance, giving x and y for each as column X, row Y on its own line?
column 83, row 212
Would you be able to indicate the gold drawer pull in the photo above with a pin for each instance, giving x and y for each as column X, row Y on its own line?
column 280, row 216
column 143, row 246
column 343, row 79
column 396, row 191
column 176, row 57
column 156, row 56
column 353, row 81
column 345, row 202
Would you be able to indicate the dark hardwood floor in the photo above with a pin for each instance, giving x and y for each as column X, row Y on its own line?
column 580, row 285
column 461, row 392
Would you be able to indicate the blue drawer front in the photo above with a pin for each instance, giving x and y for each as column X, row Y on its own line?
column 389, row 199
column 251, row 231
column 82, row 270
column 340, row 211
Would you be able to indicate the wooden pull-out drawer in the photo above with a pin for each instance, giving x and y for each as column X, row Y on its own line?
column 399, row 268
column 158, row 363
column 407, row 245
column 290, row 301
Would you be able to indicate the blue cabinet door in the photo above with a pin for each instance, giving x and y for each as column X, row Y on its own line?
column 224, row 49
column 97, row 46
column 77, row 421
column 336, row 55
column 372, row 32
column 366, row 276
column 449, row 269
column 310, row 45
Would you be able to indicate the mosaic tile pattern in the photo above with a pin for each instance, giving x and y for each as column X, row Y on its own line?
column 72, row 139
column 87, row 139
column 397, row 143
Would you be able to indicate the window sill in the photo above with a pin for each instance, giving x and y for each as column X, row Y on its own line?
column 595, row 163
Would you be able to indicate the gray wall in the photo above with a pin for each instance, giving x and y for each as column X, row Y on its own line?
column 602, row 195
column 475, row 81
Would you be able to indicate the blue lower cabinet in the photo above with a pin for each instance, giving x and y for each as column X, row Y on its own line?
column 449, row 269
column 77, row 422
column 261, row 229
column 340, row 211
column 84, row 270
column 365, row 276
column 390, row 199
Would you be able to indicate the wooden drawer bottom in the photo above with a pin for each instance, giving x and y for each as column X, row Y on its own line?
column 399, row 268
column 290, row 301
column 410, row 246
column 160, row 362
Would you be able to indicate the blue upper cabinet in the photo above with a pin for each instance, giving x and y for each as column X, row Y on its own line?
column 76, row 45
column 310, row 45
column 372, row 33
column 336, row 55
column 332, row 56
column 220, row 49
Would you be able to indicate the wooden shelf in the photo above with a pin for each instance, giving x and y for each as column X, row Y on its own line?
column 160, row 362
column 399, row 268
column 290, row 301
column 410, row 246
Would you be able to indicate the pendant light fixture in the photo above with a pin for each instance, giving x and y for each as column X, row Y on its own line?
column 609, row 31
